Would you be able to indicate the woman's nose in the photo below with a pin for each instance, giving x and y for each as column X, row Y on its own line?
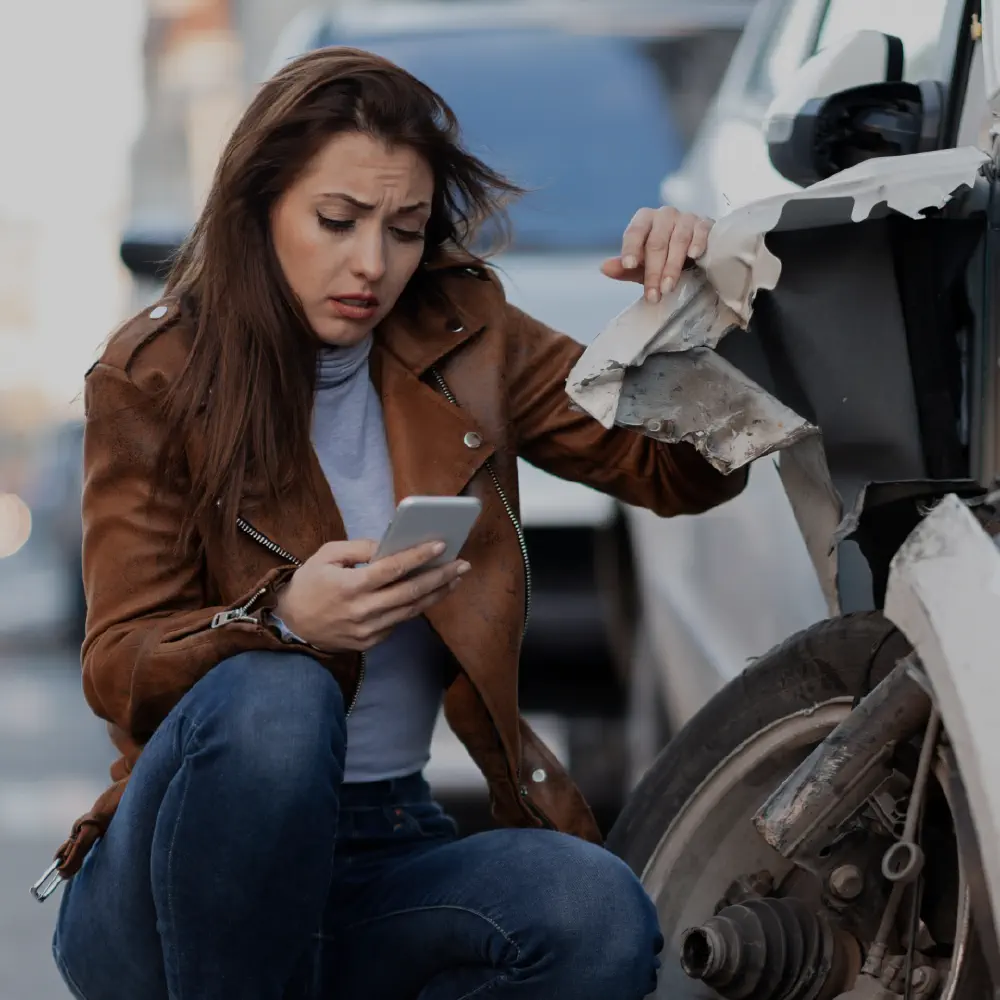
column 369, row 256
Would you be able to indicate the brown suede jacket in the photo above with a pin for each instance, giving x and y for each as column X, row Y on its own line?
column 157, row 622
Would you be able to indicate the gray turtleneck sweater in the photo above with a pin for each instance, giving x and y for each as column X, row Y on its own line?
column 389, row 731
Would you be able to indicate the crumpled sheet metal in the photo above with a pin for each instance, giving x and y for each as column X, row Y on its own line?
column 655, row 362
column 717, row 295
column 699, row 397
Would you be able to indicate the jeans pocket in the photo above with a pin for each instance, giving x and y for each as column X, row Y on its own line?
column 427, row 819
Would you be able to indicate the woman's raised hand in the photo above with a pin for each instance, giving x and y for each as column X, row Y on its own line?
column 655, row 247
column 334, row 602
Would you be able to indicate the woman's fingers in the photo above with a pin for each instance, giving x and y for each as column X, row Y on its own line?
column 376, row 629
column 411, row 591
column 679, row 232
column 634, row 240
column 655, row 248
column 614, row 268
column 385, row 572
column 666, row 240
column 699, row 242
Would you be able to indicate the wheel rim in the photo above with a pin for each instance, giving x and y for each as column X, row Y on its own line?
column 711, row 841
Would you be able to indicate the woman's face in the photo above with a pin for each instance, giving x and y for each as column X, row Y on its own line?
column 349, row 233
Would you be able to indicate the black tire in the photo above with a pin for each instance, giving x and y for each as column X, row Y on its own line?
column 838, row 657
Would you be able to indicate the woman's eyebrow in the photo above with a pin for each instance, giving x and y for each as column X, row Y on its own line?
column 365, row 207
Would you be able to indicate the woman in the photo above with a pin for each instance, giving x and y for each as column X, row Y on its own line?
column 327, row 346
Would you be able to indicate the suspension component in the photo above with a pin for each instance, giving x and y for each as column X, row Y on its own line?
column 766, row 949
column 834, row 781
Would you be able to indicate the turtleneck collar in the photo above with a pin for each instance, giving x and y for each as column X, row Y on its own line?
column 337, row 365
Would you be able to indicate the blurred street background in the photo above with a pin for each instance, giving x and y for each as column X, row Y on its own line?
column 112, row 115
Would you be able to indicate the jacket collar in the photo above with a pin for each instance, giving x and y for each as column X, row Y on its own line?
column 420, row 340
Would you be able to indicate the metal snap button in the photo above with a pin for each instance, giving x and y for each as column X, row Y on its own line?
column 538, row 775
column 158, row 313
column 472, row 440
column 454, row 325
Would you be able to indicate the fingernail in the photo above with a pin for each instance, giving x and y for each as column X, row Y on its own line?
column 463, row 568
column 438, row 548
column 629, row 262
column 652, row 295
column 668, row 285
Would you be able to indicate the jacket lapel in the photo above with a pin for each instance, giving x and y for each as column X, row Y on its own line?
column 429, row 437
column 435, row 446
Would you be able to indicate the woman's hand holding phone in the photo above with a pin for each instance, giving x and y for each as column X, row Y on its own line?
column 334, row 602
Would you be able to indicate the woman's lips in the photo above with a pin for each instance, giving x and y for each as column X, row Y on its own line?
column 356, row 308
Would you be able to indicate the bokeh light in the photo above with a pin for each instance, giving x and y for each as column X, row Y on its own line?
column 15, row 523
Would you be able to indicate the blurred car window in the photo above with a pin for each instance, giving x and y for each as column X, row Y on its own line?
column 918, row 23
column 788, row 45
column 584, row 122
column 803, row 27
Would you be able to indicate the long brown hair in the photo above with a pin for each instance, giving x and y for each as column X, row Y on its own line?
column 248, row 384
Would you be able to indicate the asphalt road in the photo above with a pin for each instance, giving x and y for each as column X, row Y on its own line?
column 53, row 761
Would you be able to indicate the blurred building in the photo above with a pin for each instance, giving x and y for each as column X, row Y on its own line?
column 194, row 92
column 259, row 23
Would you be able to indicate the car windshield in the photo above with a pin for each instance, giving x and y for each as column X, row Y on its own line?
column 583, row 122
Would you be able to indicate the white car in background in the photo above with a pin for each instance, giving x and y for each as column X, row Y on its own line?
column 727, row 165
column 718, row 590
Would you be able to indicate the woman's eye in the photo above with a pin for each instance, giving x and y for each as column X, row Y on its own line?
column 409, row 235
column 336, row 225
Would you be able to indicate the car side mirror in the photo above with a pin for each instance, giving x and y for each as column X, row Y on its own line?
column 848, row 104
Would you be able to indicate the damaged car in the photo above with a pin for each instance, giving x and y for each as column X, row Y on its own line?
column 822, row 826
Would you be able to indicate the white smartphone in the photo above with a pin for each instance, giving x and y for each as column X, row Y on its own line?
column 430, row 519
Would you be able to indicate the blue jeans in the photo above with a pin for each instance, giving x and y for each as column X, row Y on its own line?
column 240, row 867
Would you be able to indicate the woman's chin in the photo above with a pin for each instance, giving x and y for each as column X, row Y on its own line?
column 341, row 332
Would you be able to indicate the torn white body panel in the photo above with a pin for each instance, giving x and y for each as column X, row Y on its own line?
column 944, row 595
column 717, row 295
column 655, row 366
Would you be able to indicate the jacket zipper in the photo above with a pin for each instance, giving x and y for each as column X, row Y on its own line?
column 522, row 788
column 241, row 614
column 507, row 505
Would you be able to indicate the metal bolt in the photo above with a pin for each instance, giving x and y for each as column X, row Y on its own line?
column 924, row 980
column 654, row 426
column 847, row 882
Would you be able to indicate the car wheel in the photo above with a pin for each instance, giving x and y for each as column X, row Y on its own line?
column 687, row 832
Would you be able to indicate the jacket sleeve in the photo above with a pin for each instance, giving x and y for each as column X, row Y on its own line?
column 666, row 478
column 149, row 629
